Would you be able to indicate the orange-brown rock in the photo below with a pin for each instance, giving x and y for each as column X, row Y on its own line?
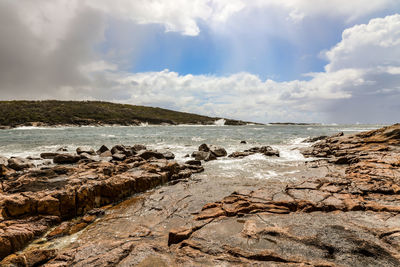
column 62, row 193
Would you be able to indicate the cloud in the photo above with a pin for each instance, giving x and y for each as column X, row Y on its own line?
column 34, row 64
column 354, row 87
column 367, row 45
column 47, row 50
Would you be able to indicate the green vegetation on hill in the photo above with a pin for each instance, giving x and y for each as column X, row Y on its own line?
column 53, row 112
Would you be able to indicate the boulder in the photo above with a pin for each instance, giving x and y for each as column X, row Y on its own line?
column 86, row 150
column 168, row 155
column 138, row 147
column 269, row 151
column 48, row 155
column 102, row 149
column 193, row 162
column 202, row 155
column 218, row 151
column 266, row 150
column 19, row 164
column 240, row 154
column 118, row 149
column 119, row 156
column 204, row 147
column 243, row 142
column 66, row 159
column 147, row 154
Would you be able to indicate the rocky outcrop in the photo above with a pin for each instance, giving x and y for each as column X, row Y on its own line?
column 265, row 150
column 350, row 217
column 337, row 212
column 209, row 152
column 19, row 164
column 66, row 159
column 102, row 149
column 202, row 155
column 86, row 150
column 32, row 201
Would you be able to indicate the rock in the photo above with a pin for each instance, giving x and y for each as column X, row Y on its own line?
column 201, row 155
column 269, row 151
column 32, row 158
column 5, row 171
column 38, row 257
column 314, row 139
column 204, row 147
column 168, row 155
column 240, row 154
column 338, row 134
column 86, row 150
column 118, row 149
column 176, row 236
column 62, row 149
column 19, row 164
column 102, row 149
column 243, row 142
column 138, row 147
column 3, row 161
column 33, row 257
column 266, row 150
column 32, row 201
column 66, row 159
column 193, row 162
column 49, row 206
column 48, row 155
column 118, row 156
column 147, row 154
column 106, row 154
column 218, row 151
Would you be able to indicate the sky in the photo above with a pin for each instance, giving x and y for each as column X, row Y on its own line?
column 335, row 61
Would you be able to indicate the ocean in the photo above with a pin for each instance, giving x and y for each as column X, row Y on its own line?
column 182, row 140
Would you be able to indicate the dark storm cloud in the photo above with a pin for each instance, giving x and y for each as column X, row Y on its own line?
column 29, row 69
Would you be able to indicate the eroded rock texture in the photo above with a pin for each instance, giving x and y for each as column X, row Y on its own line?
column 31, row 202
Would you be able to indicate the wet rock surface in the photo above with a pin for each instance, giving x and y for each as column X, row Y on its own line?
column 341, row 210
column 33, row 200
column 265, row 150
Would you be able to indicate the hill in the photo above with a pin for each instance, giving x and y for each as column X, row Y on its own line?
column 54, row 112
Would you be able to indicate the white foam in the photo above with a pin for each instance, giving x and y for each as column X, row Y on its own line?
column 220, row 122
column 198, row 139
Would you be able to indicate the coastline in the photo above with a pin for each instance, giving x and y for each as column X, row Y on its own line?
column 346, row 198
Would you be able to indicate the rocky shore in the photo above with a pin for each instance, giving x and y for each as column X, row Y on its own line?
column 35, row 199
column 343, row 208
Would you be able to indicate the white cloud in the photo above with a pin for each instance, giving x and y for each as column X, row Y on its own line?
column 368, row 45
column 352, row 77
column 48, row 48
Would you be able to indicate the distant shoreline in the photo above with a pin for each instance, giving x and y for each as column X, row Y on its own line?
column 50, row 113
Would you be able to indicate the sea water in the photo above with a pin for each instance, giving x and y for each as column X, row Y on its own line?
column 183, row 140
